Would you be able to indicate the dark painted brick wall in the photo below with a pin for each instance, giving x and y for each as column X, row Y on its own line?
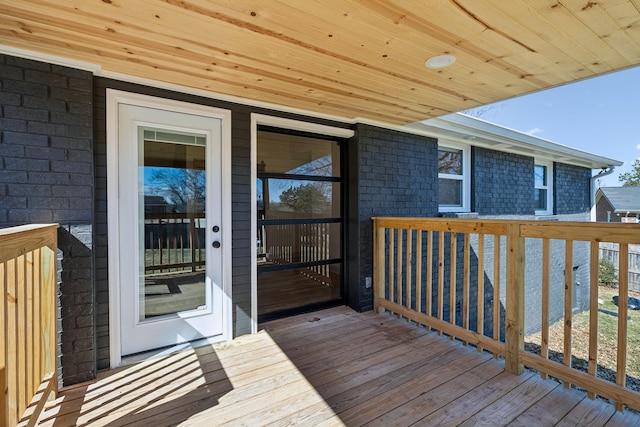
column 499, row 186
column 572, row 188
column 396, row 175
column 46, row 175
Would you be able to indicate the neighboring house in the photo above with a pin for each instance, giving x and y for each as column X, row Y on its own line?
column 156, row 204
column 290, row 172
column 618, row 204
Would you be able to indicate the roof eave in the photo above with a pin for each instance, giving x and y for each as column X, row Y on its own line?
column 477, row 132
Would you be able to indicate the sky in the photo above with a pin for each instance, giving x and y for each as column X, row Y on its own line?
column 600, row 115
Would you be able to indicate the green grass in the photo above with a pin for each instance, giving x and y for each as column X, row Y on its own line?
column 607, row 335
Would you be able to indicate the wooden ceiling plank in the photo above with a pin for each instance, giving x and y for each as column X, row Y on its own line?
column 133, row 66
column 187, row 53
column 475, row 103
column 367, row 65
column 598, row 18
column 393, row 83
column 278, row 97
column 472, row 47
column 490, row 73
column 297, row 37
column 577, row 39
column 624, row 13
column 561, row 53
column 416, row 41
column 358, row 57
column 554, row 64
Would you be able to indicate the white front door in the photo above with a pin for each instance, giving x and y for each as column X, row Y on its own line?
column 169, row 227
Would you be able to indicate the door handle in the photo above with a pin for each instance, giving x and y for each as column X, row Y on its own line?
column 216, row 244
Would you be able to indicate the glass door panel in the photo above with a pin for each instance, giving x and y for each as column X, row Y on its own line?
column 169, row 206
column 172, row 187
column 299, row 206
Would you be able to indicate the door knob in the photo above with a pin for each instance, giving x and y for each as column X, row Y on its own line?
column 216, row 244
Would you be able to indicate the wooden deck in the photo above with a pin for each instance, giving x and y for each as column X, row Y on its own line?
column 330, row 368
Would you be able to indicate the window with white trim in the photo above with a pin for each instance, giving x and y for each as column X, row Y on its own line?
column 543, row 192
column 454, row 179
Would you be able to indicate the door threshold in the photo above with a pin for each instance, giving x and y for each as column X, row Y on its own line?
column 167, row 351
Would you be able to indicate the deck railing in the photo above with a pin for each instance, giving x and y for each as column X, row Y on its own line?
column 467, row 278
column 174, row 242
column 28, row 313
column 295, row 242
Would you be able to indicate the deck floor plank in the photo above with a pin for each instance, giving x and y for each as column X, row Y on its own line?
column 588, row 413
column 335, row 367
column 428, row 401
column 308, row 362
column 624, row 419
column 511, row 404
column 359, row 386
column 548, row 410
column 465, row 372
column 466, row 406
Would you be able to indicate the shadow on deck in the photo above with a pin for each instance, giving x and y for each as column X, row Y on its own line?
column 334, row 367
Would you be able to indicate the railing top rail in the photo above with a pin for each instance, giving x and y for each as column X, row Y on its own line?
column 443, row 224
column 27, row 228
column 17, row 241
column 585, row 231
column 173, row 215
column 563, row 230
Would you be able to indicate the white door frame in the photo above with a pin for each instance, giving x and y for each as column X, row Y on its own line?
column 114, row 98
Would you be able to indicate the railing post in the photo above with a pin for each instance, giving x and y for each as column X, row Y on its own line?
column 28, row 321
column 515, row 299
column 193, row 238
column 378, row 265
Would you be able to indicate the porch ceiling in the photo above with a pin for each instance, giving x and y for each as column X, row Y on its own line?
column 345, row 58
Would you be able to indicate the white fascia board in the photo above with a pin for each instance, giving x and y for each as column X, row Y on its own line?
column 51, row 59
column 474, row 131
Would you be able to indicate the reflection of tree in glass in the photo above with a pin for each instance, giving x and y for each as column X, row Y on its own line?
column 184, row 188
column 540, row 173
column 321, row 166
column 310, row 198
column 450, row 162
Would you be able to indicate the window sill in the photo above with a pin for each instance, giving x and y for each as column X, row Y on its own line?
column 461, row 215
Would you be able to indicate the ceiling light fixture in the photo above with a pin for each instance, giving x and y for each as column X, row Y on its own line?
column 440, row 61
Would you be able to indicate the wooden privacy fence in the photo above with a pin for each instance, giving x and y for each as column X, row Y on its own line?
column 437, row 273
column 28, row 321
column 611, row 252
